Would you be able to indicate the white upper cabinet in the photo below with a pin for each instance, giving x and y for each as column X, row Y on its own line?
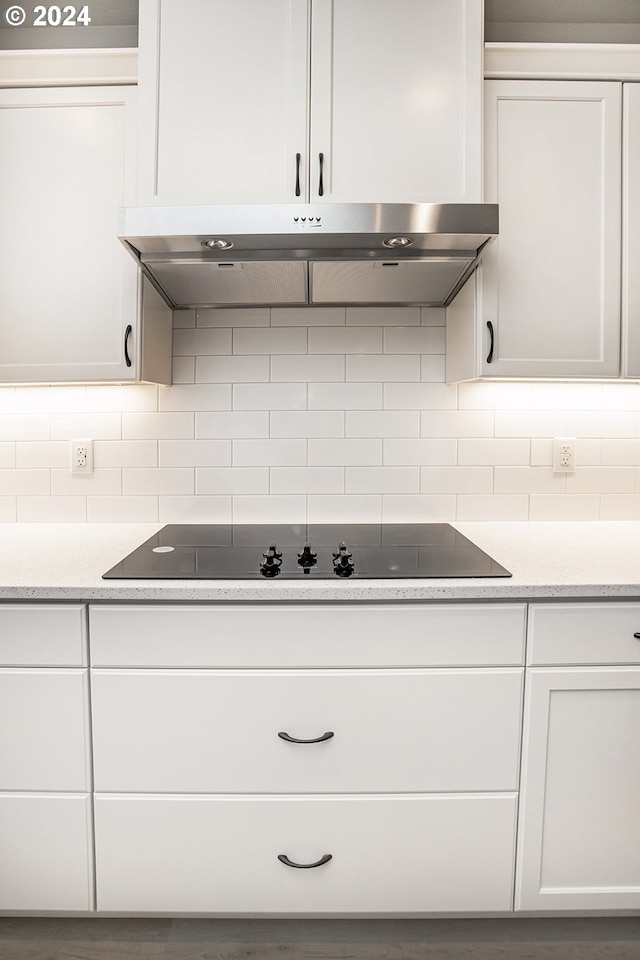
column 631, row 231
column 345, row 100
column 551, row 281
column 70, row 301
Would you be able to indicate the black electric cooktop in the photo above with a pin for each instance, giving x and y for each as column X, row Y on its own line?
column 320, row 551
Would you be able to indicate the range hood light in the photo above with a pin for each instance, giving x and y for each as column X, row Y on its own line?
column 397, row 242
column 217, row 244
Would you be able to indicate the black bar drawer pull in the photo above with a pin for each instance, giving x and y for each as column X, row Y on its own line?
column 298, row 174
column 637, row 636
column 325, row 736
column 283, row 858
column 321, row 180
column 491, row 339
column 127, row 334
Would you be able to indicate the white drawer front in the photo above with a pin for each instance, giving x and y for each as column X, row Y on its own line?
column 414, row 854
column 44, row 722
column 213, row 731
column 43, row 634
column 45, row 852
column 307, row 635
column 583, row 633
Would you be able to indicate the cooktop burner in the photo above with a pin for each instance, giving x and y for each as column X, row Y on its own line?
column 306, row 551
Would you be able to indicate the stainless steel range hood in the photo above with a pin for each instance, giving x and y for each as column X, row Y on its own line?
column 322, row 254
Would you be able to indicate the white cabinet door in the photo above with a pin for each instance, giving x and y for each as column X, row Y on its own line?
column 396, row 101
column 551, row 281
column 223, row 106
column 631, row 230
column 46, row 853
column 351, row 100
column 68, row 289
column 388, row 853
column 578, row 837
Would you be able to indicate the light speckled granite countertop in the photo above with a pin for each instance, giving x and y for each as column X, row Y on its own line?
column 547, row 560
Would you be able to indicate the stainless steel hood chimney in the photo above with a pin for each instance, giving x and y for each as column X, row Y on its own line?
column 321, row 254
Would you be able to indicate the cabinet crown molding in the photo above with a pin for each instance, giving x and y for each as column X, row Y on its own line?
column 562, row 61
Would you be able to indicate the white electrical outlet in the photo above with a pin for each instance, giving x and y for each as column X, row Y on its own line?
column 82, row 457
column 564, row 454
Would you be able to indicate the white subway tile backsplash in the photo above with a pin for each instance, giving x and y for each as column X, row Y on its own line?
column 51, row 509
column 27, row 483
column 418, row 508
column 8, row 510
column 345, row 340
column 420, row 396
column 141, row 481
column 232, row 369
column 308, row 420
column 210, row 396
column 96, row 426
column 269, row 453
column 269, row 340
column 457, row 423
column 308, row 316
column 382, row 423
column 307, row 480
column 233, row 317
column 456, row 480
column 155, row 426
column 194, row 453
column 236, row 423
column 439, row 452
column 58, row 399
column 122, row 509
column 307, row 423
column 347, row 509
column 184, row 370
column 620, row 506
column 529, row 480
column 8, row 455
column 602, row 480
column 383, row 316
column 195, row 510
column 414, row 340
column 100, row 483
column 383, row 367
column 502, row 452
column 120, row 453
column 357, row 452
column 345, row 396
column 382, row 480
column 201, row 341
column 270, row 509
column 269, row 396
column 564, row 507
column 491, row 506
column 24, row 426
column 230, row 481
column 295, row 369
column 47, row 454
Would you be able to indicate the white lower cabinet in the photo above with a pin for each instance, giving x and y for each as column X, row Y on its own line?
column 411, row 853
column 580, row 794
column 403, row 770
column 46, row 844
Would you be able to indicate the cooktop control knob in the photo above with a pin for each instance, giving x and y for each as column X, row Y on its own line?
column 270, row 566
column 308, row 558
column 343, row 565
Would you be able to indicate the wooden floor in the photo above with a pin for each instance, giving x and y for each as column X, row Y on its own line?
column 182, row 939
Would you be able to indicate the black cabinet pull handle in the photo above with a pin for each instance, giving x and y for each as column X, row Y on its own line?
column 297, row 174
column 637, row 636
column 490, row 329
column 320, row 182
column 283, row 858
column 325, row 736
column 127, row 334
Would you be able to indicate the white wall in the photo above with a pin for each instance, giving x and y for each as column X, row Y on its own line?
column 319, row 414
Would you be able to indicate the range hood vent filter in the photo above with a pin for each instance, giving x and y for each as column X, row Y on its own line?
column 329, row 253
